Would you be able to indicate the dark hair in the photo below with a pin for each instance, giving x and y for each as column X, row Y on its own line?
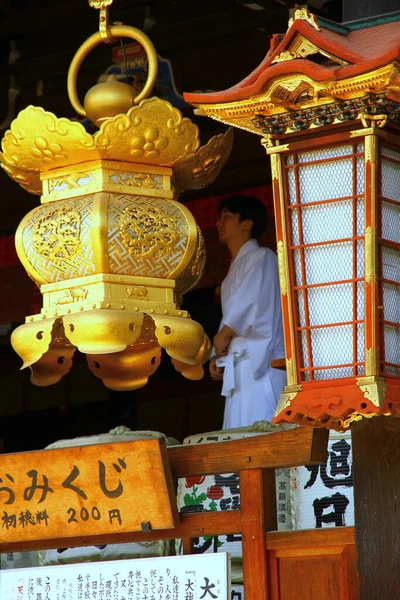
column 248, row 207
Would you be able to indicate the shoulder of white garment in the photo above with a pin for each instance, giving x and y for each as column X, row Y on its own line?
column 251, row 253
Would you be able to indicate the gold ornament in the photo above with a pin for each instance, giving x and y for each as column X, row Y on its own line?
column 110, row 246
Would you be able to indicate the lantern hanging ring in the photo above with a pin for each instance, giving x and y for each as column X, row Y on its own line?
column 116, row 32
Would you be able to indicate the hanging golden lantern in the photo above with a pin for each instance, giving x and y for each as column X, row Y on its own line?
column 111, row 248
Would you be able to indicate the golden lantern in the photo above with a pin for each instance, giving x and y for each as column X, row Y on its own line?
column 327, row 105
column 111, row 248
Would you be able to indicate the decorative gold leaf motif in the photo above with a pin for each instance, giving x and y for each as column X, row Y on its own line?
column 305, row 15
column 60, row 143
column 373, row 120
column 134, row 138
column 199, row 169
column 368, row 254
column 374, row 389
column 57, row 232
column 194, row 272
column 137, row 179
column 282, row 269
column 54, row 241
column 291, row 371
column 71, row 181
column 100, row 4
column 73, row 295
column 317, row 104
column 138, row 291
column 284, row 56
column 38, row 141
column 147, row 231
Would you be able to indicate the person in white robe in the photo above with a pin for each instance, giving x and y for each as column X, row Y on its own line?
column 250, row 335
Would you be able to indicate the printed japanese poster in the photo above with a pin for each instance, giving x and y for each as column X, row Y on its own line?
column 322, row 495
column 190, row 577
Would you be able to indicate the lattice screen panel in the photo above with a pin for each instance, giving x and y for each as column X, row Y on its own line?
column 389, row 259
column 325, row 216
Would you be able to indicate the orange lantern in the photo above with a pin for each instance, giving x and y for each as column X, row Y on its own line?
column 327, row 105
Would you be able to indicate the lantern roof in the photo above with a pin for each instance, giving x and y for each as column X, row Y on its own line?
column 315, row 61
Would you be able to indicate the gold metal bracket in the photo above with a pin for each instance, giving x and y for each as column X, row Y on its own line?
column 268, row 141
column 373, row 121
column 104, row 21
column 374, row 389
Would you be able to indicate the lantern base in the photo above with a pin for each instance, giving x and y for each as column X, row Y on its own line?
column 335, row 404
column 108, row 291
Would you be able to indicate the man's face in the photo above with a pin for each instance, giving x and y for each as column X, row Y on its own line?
column 230, row 227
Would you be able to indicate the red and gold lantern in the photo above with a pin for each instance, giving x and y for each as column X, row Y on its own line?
column 328, row 113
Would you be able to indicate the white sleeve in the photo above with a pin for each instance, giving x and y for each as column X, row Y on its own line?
column 254, row 308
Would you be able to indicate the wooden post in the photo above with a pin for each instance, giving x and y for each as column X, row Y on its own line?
column 258, row 512
column 376, row 470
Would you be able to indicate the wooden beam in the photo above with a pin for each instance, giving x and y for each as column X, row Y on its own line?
column 295, row 447
column 190, row 526
column 312, row 538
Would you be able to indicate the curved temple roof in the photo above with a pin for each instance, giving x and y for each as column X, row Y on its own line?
column 321, row 51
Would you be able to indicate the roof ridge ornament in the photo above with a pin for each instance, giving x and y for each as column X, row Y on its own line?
column 302, row 13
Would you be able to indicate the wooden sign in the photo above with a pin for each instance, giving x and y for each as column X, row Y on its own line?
column 86, row 491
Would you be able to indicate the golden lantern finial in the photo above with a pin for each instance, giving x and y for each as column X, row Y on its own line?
column 111, row 97
column 104, row 21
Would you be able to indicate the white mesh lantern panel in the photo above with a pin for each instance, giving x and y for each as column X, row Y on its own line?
column 304, row 351
column 391, row 302
column 301, row 308
column 326, row 181
column 390, row 153
column 330, row 304
column 360, row 301
column 332, row 346
column 325, row 153
column 294, row 217
column 391, row 221
column 326, row 185
column 292, row 187
column 390, row 257
column 328, row 263
column 298, row 276
column 360, row 348
column 392, row 349
column 391, row 178
column 330, row 221
column 391, row 264
column 360, row 217
column 360, row 174
column 360, row 258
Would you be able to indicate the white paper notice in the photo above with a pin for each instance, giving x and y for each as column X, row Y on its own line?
column 190, row 577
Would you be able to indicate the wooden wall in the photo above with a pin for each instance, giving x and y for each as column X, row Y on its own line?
column 317, row 564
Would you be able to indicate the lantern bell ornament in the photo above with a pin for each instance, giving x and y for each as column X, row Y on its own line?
column 111, row 248
column 326, row 103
